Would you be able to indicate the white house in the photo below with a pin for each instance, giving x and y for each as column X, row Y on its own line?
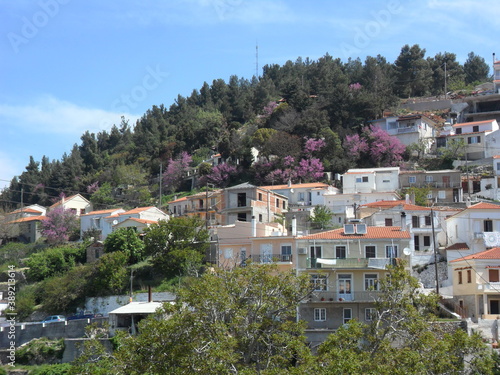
column 76, row 203
column 370, row 180
column 101, row 220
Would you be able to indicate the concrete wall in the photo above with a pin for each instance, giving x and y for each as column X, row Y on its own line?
column 73, row 348
column 25, row 332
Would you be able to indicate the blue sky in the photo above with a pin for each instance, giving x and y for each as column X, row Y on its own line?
column 69, row 66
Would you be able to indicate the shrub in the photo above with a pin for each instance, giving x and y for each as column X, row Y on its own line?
column 39, row 351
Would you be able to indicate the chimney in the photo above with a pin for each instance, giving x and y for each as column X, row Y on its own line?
column 254, row 227
column 294, row 226
column 403, row 221
column 407, row 199
column 150, row 294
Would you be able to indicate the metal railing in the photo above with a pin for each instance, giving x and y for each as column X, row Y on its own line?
column 271, row 258
column 335, row 296
column 348, row 263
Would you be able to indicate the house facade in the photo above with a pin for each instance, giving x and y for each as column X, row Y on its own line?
column 476, row 284
column 344, row 266
column 101, row 220
column 75, row 203
column 444, row 186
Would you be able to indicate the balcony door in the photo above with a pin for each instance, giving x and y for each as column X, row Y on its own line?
column 344, row 287
column 314, row 254
column 266, row 253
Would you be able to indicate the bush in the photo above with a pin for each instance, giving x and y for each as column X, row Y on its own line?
column 52, row 262
column 39, row 351
column 57, row 369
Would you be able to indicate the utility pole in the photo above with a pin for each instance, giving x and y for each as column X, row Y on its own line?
column 445, row 90
column 161, row 183
column 435, row 251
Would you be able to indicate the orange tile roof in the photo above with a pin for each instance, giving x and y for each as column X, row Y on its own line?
column 458, row 246
column 29, row 218
column 26, row 209
column 488, row 254
column 101, row 212
column 382, row 204
column 484, row 206
column 143, row 221
column 496, row 157
column 372, row 233
column 295, row 186
column 473, row 123
column 135, row 210
column 178, row 200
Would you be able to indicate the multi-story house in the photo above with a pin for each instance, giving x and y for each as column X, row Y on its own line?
column 472, row 230
column 206, row 205
column 409, row 129
column 345, row 265
column 476, row 284
column 481, row 138
column 361, row 186
column 302, row 198
column 244, row 201
column 490, row 185
column 75, row 203
column 101, row 220
column 444, row 185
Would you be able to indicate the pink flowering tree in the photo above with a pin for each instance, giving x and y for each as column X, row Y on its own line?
column 220, row 175
column 312, row 146
column 59, row 225
column 375, row 147
column 269, row 108
column 176, row 171
column 310, row 170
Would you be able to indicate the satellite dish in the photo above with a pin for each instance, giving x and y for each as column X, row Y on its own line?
column 406, row 251
column 115, row 222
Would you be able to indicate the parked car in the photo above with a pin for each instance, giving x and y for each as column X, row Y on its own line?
column 54, row 319
column 83, row 315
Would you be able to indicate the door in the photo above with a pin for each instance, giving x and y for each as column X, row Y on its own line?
column 416, row 241
column 315, row 253
column 494, row 307
column 345, row 287
column 266, row 253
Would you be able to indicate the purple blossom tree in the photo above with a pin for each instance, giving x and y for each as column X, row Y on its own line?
column 59, row 225
column 220, row 175
column 310, row 170
column 313, row 145
column 375, row 145
column 269, row 108
column 176, row 171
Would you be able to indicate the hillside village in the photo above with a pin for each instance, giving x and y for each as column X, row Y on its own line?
column 444, row 224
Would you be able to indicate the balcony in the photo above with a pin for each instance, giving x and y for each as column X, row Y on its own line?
column 432, row 184
column 491, row 287
column 271, row 258
column 355, row 296
column 348, row 263
column 409, row 129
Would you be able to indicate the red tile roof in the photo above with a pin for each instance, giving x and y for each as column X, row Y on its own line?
column 29, row 218
column 295, row 186
column 136, row 210
column 473, row 123
column 26, row 209
column 143, row 221
column 101, row 212
column 372, row 232
column 382, row 204
column 458, row 246
column 496, row 157
column 178, row 200
column 488, row 254
column 484, row 206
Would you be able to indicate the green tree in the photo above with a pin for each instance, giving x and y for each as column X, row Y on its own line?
column 321, row 218
column 51, row 262
column 476, row 69
column 110, row 274
column 127, row 241
column 419, row 194
column 225, row 322
column 414, row 74
column 177, row 247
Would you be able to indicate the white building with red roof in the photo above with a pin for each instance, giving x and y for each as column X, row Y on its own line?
column 101, row 220
column 476, row 284
column 77, row 203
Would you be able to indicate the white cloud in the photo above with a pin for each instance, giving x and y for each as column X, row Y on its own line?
column 50, row 115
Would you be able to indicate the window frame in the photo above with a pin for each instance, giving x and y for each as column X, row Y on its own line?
column 319, row 314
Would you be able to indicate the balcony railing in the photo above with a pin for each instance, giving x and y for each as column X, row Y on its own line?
column 409, row 129
column 492, row 286
column 349, row 263
column 271, row 258
column 335, row 296
column 432, row 184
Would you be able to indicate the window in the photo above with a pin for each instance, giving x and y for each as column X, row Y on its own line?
column 242, row 199
column 319, row 315
column 498, row 166
column 442, row 194
column 175, row 210
column 242, row 216
column 369, row 314
column 260, row 196
column 347, row 314
column 388, row 222
column 228, row 253
column 460, row 277
column 260, row 218
column 340, row 252
column 82, row 211
column 301, row 197
column 469, row 276
column 319, row 282
column 370, row 252
column 458, row 131
column 200, row 202
column 429, row 179
column 488, row 226
column 371, row 281
column 493, row 276
column 428, row 220
column 386, row 181
column 415, row 221
column 243, row 253
column 412, row 179
column 391, row 251
column 473, row 140
column 429, row 196
column 427, row 240
column 475, row 128
column 277, row 203
column 284, row 205
column 362, row 179
column 286, row 253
